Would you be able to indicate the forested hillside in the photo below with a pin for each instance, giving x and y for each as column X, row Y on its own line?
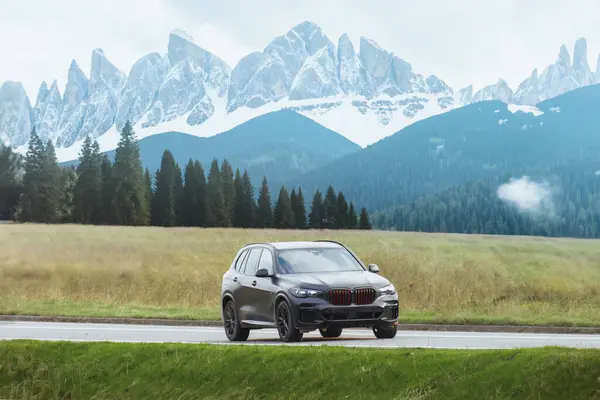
column 474, row 142
column 562, row 200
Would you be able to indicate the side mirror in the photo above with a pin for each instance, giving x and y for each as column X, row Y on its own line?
column 262, row 273
column 374, row 268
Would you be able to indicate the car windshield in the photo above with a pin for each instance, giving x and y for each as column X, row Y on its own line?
column 302, row 261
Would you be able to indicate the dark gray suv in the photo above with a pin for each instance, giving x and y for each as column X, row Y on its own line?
column 298, row 287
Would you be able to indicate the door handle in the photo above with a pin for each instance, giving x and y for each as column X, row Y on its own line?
column 254, row 283
column 235, row 279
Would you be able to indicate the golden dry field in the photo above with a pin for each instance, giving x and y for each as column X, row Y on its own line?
column 176, row 273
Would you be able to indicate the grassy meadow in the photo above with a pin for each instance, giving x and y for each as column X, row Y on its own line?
column 176, row 273
column 55, row 370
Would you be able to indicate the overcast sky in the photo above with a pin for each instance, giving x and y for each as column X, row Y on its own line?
column 461, row 41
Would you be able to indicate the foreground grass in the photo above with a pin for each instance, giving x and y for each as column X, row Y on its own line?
column 114, row 371
column 176, row 273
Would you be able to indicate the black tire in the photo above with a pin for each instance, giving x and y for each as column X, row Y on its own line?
column 331, row 332
column 285, row 324
column 385, row 332
column 232, row 325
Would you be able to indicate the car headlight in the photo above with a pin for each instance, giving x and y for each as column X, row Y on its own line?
column 301, row 292
column 387, row 290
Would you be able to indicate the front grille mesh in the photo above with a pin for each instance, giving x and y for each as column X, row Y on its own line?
column 364, row 296
column 345, row 297
column 340, row 297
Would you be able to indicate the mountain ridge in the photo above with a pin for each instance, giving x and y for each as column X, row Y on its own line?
column 365, row 93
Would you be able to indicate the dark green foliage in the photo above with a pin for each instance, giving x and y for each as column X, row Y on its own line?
column 571, row 208
column 364, row 222
column 179, row 196
column 10, row 181
column 283, row 215
column 245, row 202
column 228, row 189
column 165, row 198
column 108, row 215
column 352, row 218
column 200, row 198
column 316, row 215
column 88, row 187
column 129, row 195
column 68, row 182
column 264, row 214
column 42, row 184
column 342, row 211
column 148, row 186
column 216, row 214
column 297, row 200
column 330, row 216
column 238, row 204
column 191, row 205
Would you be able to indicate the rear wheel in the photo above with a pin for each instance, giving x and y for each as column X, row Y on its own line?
column 385, row 332
column 285, row 324
column 231, row 322
column 331, row 332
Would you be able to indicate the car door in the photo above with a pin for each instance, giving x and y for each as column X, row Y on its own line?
column 245, row 291
column 231, row 279
column 264, row 290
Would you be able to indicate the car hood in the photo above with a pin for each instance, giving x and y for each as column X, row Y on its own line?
column 326, row 280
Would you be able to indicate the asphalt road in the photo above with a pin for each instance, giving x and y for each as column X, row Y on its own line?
column 80, row 332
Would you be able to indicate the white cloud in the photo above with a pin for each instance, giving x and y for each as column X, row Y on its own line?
column 463, row 41
column 528, row 196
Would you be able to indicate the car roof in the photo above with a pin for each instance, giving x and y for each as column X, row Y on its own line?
column 300, row 245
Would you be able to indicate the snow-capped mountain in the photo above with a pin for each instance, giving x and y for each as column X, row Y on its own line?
column 365, row 92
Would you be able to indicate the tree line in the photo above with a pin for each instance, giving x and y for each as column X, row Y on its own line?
column 101, row 192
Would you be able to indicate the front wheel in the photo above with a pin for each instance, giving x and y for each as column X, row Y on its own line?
column 385, row 332
column 285, row 324
column 232, row 324
column 331, row 332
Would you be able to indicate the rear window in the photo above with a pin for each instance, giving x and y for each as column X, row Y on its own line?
column 240, row 260
column 302, row 261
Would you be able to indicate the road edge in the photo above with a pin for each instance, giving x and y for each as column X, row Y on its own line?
column 402, row 326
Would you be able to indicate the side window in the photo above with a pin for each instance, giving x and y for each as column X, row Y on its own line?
column 240, row 261
column 252, row 262
column 266, row 261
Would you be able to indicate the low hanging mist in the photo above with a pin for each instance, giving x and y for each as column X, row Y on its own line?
column 528, row 196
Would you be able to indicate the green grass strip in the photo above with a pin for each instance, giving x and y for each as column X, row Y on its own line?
column 60, row 370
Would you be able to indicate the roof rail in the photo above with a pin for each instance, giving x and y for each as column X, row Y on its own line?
column 330, row 241
column 261, row 243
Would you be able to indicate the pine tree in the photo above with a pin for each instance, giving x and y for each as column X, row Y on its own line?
column 364, row 222
column 283, row 215
column 216, row 214
column 179, row 196
column 200, row 187
column 190, row 192
column 352, row 218
column 228, row 189
column 148, row 187
column 68, row 181
column 129, row 199
column 107, row 214
column 342, row 211
column 238, row 203
column 264, row 217
column 316, row 214
column 164, row 207
column 330, row 209
column 88, row 187
column 248, row 206
column 297, row 200
column 10, row 181
column 29, row 207
column 42, row 184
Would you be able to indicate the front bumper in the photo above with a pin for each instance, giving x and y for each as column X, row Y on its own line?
column 313, row 314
